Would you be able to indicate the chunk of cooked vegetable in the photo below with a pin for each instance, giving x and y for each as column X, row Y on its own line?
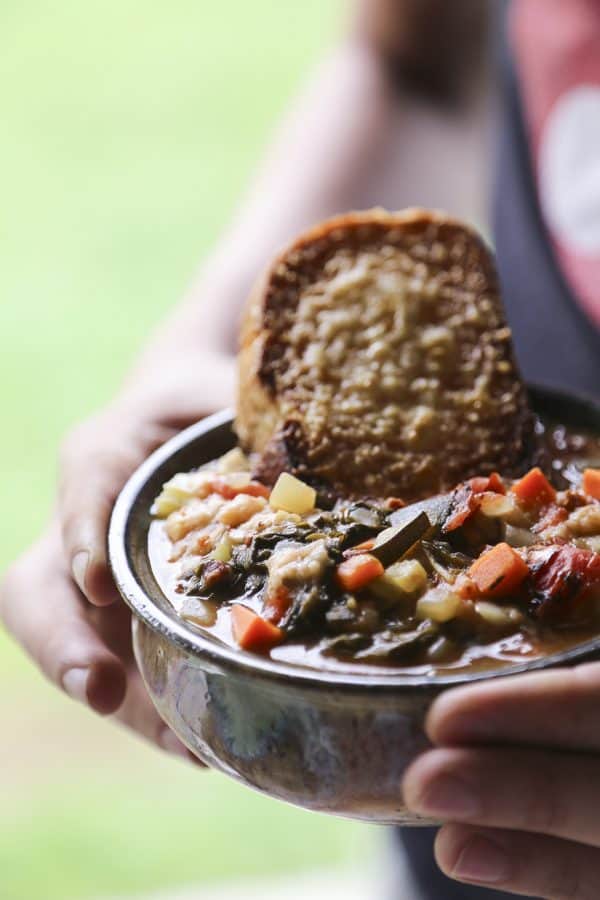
column 491, row 483
column 468, row 497
column 591, row 483
column 563, row 577
column 534, row 489
column 253, row 632
column 240, row 509
column 238, row 483
column 496, row 506
column 233, row 461
column 440, row 605
column 409, row 575
column 363, row 547
column 356, row 572
column 222, row 551
column 498, row 571
column 399, row 581
column 394, row 543
column 178, row 491
column 292, row 495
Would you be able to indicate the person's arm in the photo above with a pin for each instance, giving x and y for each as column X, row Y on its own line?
column 321, row 161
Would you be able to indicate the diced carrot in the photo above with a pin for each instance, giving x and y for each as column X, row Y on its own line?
column 498, row 571
column 479, row 484
column 360, row 548
column 277, row 604
column 252, row 632
column 591, row 483
column 228, row 491
column 534, row 489
column 356, row 572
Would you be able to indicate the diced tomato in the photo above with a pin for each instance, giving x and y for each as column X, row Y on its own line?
column 277, row 604
column 563, row 577
column 256, row 489
column 467, row 498
column 356, row 572
column 591, row 483
column 496, row 484
column 228, row 491
column 499, row 571
column 360, row 548
column 252, row 632
column 464, row 505
column 394, row 503
column 552, row 516
column 534, row 489
column 479, row 484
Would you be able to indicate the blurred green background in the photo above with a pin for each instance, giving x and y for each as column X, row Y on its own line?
column 128, row 131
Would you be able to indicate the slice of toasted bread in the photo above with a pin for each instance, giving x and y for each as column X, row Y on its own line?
column 375, row 360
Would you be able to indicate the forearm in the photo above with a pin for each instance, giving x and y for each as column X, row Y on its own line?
column 325, row 157
column 318, row 162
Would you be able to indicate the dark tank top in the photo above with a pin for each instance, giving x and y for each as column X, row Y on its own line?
column 557, row 346
column 556, row 343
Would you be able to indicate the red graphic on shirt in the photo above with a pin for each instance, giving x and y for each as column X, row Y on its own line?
column 556, row 44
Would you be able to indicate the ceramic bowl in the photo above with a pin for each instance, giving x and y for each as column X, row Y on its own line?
column 338, row 742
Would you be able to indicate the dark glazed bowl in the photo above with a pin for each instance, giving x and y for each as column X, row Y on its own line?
column 334, row 742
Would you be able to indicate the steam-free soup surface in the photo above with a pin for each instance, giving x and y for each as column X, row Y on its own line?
column 494, row 573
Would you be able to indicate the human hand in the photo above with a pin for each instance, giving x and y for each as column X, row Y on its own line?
column 59, row 600
column 515, row 775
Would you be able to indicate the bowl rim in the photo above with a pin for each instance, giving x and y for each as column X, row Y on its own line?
column 207, row 648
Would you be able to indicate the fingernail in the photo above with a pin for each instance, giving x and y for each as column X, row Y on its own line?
column 79, row 566
column 169, row 741
column 447, row 796
column 75, row 684
column 482, row 860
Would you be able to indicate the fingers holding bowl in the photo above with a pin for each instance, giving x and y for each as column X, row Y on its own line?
column 556, row 794
column 558, row 708
column 43, row 609
column 523, row 864
column 93, row 469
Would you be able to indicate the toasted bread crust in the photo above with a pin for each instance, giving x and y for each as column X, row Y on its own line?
column 375, row 359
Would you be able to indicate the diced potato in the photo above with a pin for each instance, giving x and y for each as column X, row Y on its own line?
column 234, row 461
column 399, row 581
column 176, row 492
column 237, row 480
column 409, row 575
column 439, row 605
column 499, row 616
column 497, row 506
column 590, row 543
column 585, row 521
column 519, row 537
column 222, row 552
column 199, row 612
column 292, row 495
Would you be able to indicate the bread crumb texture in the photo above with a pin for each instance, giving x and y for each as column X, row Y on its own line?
column 381, row 361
